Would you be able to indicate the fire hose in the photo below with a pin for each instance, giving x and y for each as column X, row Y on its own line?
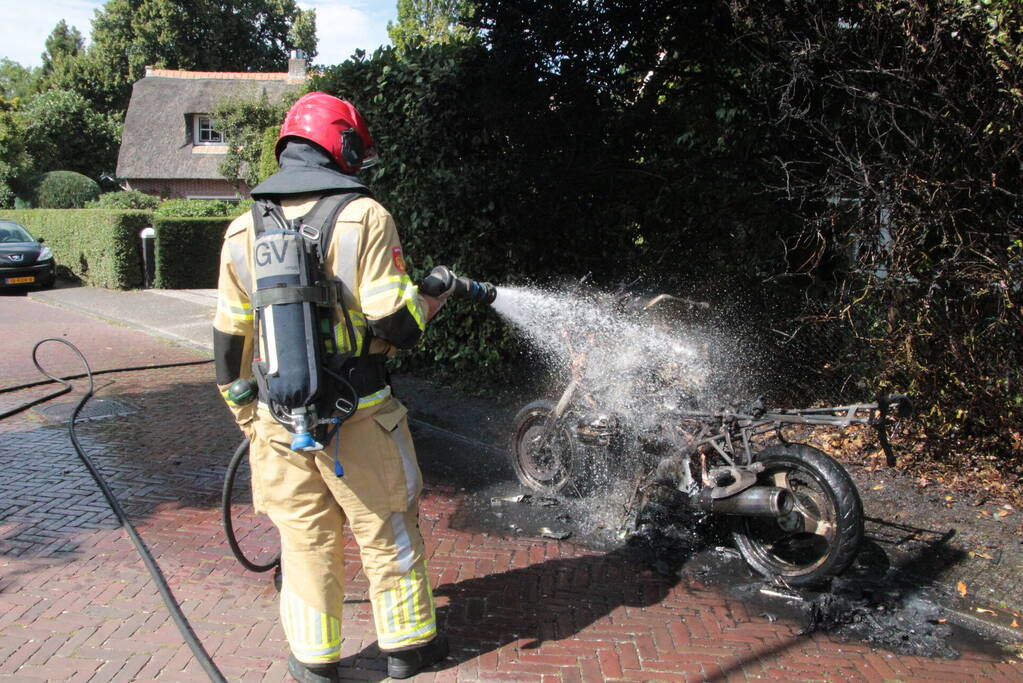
column 193, row 642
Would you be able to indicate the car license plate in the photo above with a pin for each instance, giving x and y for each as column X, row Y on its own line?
column 20, row 280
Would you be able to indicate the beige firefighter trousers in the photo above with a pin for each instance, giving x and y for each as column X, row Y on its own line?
column 309, row 504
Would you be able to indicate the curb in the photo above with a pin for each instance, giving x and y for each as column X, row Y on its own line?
column 40, row 297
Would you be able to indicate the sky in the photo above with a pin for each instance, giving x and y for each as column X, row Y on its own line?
column 342, row 26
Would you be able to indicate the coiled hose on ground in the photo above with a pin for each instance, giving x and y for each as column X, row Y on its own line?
column 193, row 642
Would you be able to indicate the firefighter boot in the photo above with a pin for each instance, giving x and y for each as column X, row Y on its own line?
column 312, row 673
column 406, row 663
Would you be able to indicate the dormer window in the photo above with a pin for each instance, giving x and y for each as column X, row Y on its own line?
column 203, row 131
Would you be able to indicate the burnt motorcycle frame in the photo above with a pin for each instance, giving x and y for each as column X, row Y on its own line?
column 795, row 511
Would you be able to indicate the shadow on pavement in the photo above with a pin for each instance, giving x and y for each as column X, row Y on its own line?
column 553, row 600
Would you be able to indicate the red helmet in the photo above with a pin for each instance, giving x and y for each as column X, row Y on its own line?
column 332, row 124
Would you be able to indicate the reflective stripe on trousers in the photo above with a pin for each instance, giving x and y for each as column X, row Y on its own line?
column 313, row 635
column 405, row 615
column 377, row 499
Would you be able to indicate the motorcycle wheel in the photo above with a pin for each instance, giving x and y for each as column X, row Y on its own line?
column 553, row 467
column 822, row 534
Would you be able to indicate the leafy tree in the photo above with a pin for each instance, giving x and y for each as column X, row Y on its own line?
column 640, row 108
column 303, row 33
column 427, row 22
column 95, row 78
column 244, row 123
column 17, row 81
column 128, row 35
column 63, row 43
column 893, row 132
column 15, row 163
column 63, row 132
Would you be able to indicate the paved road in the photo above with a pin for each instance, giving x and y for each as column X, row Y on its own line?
column 23, row 322
column 76, row 604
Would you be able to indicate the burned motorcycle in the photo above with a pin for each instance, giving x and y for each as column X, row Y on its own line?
column 795, row 513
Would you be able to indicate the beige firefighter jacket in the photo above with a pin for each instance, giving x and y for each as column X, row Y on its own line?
column 365, row 253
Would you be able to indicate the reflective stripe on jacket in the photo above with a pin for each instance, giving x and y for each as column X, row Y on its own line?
column 364, row 254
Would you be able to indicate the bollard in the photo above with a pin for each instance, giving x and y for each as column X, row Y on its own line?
column 148, row 236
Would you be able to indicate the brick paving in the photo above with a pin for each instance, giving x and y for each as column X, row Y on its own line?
column 77, row 605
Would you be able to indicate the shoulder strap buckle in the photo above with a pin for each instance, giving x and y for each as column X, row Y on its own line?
column 309, row 232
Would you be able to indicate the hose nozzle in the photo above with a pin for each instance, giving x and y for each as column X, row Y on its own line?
column 441, row 280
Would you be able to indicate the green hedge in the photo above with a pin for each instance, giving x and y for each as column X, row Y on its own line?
column 202, row 208
column 125, row 199
column 97, row 246
column 64, row 190
column 188, row 251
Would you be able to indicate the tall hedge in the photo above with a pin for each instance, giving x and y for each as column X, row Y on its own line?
column 97, row 246
column 469, row 169
column 188, row 251
column 846, row 174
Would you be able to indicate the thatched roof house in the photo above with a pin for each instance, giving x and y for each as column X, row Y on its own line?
column 169, row 146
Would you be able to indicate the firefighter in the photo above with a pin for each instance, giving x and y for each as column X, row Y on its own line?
column 367, row 476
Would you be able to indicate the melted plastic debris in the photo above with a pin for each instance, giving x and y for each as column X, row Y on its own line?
column 558, row 535
column 524, row 499
column 666, row 537
column 909, row 626
column 498, row 501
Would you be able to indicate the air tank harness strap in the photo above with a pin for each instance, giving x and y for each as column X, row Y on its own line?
column 323, row 296
column 329, row 398
column 368, row 375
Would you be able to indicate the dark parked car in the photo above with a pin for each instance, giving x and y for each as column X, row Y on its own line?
column 24, row 260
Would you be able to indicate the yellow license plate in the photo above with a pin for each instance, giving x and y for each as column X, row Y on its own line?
column 20, row 280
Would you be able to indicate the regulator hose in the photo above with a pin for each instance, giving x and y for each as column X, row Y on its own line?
column 198, row 651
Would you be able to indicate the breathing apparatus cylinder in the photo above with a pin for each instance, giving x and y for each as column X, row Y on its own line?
column 441, row 280
column 289, row 333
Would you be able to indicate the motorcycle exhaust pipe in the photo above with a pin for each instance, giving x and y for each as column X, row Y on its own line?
column 756, row 501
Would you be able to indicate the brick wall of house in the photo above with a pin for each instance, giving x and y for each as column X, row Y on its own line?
column 185, row 188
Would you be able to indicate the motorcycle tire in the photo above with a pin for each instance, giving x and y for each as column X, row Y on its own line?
column 554, row 468
column 821, row 536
